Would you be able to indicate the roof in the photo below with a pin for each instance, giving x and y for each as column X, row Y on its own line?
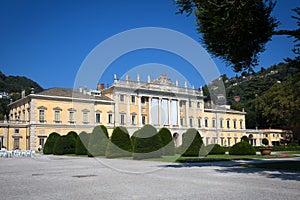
column 68, row 92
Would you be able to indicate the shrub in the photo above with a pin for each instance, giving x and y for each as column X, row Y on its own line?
column 50, row 142
column 265, row 141
column 98, row 141
column 191, row 142
column 147, row 143
column 242, row 148
column 167, row 142
column 61, row 145
column 72, row 137
column 82, row 143
column 245, row 139
column 132, row 138
column 65, row 144
column 120, row 144
column 214, row 149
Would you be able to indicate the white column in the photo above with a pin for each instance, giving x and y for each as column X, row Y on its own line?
column 194, row 104
column 128, row 109
column 149, row 109
column 159, row 111
column 139, row 111
column 116, row 117
column 169, row 112
column 178, row 112
column 187, row 112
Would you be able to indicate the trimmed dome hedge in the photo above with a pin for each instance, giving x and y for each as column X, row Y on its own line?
column 120, row 144
column 168, row 146
column 147, row 143
column 98, row 141
column 191, row 142
column 214, row 149
column 50, row 142
column 242, row 148
column 82, row 144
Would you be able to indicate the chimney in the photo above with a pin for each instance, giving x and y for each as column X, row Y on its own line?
column 85, row 90
column 149, row 79
column 138, row 78
column 102, row 86
column 98, row 87
column 80, row 89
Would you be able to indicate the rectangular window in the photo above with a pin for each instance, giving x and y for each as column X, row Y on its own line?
column 241, row 124
column 110, row 118
column 181, row 121
column 234, row 124
column 214, row 123
column 71, row 117
column 132, row 99
column 42, row 116
column 85, row 117
column 221, row 123
column 228, row 123
column 222, row 141
column 17, row 130
column 180, row 104
column 122, row 119
column 191, row 122
column 133, row 121
column 228, row 139
column 16, row 143
column 206, row 122
column 143, row 119
column 190, row 104
column 42, row 142
column 121, row 98
column 98, row 118
column 57, row 116
column 235, row 140
column 143, row 100
column 198, row 104
column 199, row 122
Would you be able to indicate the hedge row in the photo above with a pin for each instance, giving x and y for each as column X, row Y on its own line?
column 144, row 143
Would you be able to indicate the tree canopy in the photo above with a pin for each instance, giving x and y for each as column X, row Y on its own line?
column 236, row 30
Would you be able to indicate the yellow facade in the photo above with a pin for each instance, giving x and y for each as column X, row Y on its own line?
column 131, row 104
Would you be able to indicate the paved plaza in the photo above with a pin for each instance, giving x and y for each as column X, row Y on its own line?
column 62, row 177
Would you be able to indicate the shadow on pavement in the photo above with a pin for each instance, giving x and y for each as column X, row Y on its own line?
column 268, row 173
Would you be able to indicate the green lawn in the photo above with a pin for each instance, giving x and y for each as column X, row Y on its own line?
column 288, row 165
column 289, row 152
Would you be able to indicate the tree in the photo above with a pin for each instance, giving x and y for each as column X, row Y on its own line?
column 82, row 142
column 236, row 30
column 191, row 142
column 50, row 142
column 98, row 141
column 120, row 144
column 147, row 143
column 168, row 146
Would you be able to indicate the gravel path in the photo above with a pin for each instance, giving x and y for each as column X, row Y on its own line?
column 63, row 177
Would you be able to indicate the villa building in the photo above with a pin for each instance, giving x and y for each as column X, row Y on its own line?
column 132, row 104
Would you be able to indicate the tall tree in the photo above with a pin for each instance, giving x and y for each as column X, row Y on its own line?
column 236, row 30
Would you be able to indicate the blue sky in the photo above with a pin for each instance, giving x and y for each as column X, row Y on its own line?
column 48, row 40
